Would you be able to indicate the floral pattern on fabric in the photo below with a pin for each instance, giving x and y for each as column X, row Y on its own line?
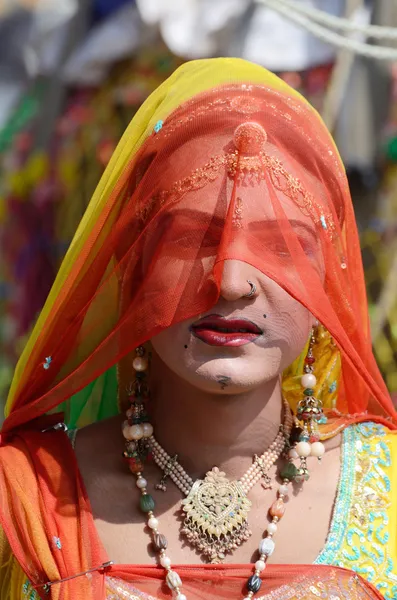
column 359, row 536
column 28, row 593
column 116, row 589
column 334, row 588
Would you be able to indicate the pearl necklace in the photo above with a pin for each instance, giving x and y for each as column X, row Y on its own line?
column 259, row 468
column 216, row 509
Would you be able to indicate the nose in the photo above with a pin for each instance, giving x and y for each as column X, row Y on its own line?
column 237, row 282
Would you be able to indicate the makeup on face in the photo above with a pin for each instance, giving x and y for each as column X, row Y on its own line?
column 216, row 330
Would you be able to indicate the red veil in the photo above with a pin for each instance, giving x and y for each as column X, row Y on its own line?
column 223, row 161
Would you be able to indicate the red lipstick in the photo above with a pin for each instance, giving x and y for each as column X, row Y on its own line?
column 216, row 330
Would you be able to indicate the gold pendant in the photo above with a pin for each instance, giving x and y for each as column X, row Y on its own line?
column 216, row 515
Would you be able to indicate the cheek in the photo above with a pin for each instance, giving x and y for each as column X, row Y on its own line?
column 297, row 324
column 170, row 344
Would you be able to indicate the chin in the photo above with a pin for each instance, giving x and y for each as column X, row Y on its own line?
column 231, row 376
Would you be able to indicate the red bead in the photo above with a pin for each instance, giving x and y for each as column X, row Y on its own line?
column 310, row 360
column 134, row 465
column 314, row 438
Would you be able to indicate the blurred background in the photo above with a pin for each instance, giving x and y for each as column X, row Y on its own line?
column 73, row 73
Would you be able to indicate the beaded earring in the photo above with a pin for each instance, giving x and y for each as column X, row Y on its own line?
column 136, row 428
column 305, row 440
column 309, row 412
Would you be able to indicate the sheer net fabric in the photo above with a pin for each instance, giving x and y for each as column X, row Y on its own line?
column 239, row 172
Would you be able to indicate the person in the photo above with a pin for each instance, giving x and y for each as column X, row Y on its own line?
column 207, row 342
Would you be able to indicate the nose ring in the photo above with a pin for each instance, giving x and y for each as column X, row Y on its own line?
column 252, row 291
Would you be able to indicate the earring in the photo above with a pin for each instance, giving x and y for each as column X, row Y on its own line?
column 136, row 428
column 309, row 412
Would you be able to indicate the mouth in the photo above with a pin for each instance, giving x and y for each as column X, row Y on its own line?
column 216, row 330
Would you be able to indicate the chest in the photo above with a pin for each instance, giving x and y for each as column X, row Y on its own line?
column 127, row 540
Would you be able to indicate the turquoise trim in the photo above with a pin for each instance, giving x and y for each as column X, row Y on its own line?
column 340, row 521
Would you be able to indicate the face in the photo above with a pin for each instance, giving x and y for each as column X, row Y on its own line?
column 275, row 330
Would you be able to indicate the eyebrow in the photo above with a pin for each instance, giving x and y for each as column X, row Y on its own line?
column 219, row 221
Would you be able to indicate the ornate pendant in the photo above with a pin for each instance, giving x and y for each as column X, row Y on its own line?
column 216, row 515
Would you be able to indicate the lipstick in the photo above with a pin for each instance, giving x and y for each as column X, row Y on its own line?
column 216, row 330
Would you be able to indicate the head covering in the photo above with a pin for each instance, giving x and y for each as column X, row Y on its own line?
column 224, row 161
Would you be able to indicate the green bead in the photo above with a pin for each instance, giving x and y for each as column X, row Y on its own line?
column 147, row 503
column 308, row 392
column 289, row 471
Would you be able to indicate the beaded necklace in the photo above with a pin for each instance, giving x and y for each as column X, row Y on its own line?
column 216, row 508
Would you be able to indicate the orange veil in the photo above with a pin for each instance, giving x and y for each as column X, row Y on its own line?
column 223, row 161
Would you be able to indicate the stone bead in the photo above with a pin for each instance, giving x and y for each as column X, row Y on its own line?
column 140, row 364
column 277, row 509
column 165, row 562
column 293, row 454
column 308, row 380
column 303, row 449
column 318, row 449
column 153, row 523
column 254, row 583
column 147, row 429
column 289, row 471
column 266, row 546
column 308, row 392
column 173, row 580
column 181, row 597
column 146, row 503
column 272, row 528
column 310, row 360
column 260, row 565
column 283, row 489
column 160, row 542
column 141, row 483
column 135, row 465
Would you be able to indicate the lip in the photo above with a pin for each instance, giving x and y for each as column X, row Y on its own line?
column 216, row 330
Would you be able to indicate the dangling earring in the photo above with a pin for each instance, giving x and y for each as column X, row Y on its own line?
column 309, row 412
column 136, row 428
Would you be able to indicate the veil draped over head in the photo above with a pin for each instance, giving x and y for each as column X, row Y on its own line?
column 223, row 161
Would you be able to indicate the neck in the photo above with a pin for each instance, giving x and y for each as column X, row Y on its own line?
column 208, row 429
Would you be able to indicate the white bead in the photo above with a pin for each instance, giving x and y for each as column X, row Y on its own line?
column 135, row 432
column 293, row 454
column 260, row 565
column 283, row 489
column 139, row 363
column 125, row 429
column 141, row 483
column 318, row 449
column 182, row 597
column 303, row 449
column 147, row 429
column 153, row 523
column 272, row 528
column 165, row 562
column 267, row 545
column 308, row 380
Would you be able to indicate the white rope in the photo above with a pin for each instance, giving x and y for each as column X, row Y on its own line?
column 330, row 37
column 374, row 31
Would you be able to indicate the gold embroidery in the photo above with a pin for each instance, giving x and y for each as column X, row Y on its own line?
column 238, row 214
